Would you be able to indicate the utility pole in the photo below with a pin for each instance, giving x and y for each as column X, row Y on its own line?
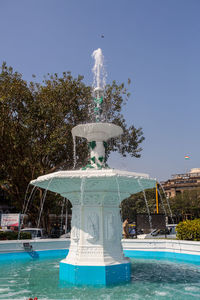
column 157, row 210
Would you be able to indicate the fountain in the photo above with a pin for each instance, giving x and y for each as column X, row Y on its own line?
column 95, row 256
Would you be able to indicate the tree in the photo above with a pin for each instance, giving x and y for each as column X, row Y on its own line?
column 186, row 204
column 36, row 121
column 135, row 204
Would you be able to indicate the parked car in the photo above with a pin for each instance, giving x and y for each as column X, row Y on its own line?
column 36, row 233
column 168, row 233
column 66, row 235
column 172, row 230
column 5, row 230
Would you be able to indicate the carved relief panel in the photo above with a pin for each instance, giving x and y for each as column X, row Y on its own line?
column 92, row 199
column 75, row 232
column 92, row 227
column 110, row 226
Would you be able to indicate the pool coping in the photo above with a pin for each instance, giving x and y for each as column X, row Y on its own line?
column 152, row 245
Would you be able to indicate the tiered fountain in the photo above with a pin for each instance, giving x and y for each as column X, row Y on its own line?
column 95, row 255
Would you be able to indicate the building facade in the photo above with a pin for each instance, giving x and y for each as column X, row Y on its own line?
column 181, row 182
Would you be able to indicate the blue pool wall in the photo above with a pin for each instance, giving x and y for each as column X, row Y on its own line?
column 183, row 251
column 46, row 254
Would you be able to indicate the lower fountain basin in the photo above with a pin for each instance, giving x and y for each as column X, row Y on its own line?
column 95, row 255
column 153, row 277
column 68, row 183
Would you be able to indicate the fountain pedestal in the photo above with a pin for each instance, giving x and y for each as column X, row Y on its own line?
column 95, row 254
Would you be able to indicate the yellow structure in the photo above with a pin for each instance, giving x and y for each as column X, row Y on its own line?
column 157, row 209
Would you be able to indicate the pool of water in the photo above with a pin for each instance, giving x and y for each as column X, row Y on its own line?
column 151, row 279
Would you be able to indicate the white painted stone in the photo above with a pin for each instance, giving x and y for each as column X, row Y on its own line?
column 97, row 131
column 95, row 196
column 96, row 224
column 166, row 245
column 68, row 183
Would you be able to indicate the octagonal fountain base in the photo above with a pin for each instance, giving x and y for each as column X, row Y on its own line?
column 95, row 255
column 95, row 275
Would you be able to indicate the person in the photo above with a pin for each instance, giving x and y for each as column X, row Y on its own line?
column 125, row 229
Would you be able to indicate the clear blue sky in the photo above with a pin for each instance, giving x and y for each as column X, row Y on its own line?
column 156, row 43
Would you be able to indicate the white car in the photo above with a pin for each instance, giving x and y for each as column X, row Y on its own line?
column 65, row 235
column 36, row 233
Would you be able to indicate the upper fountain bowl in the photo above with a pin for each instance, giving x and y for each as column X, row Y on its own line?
column 98, row 89
column 97, row 131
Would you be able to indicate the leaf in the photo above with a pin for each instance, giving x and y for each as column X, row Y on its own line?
column 92, row 145
column 101, row 159
column 93, row 159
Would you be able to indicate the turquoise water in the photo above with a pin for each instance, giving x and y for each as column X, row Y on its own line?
column 151, row 279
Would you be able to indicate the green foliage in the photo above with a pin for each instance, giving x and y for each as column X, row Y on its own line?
column 135, row 204
column 13, row 235
column 186, row 203
column 36, row 122
column 189, row 230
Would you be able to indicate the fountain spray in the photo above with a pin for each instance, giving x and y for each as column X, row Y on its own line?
column 99, row 83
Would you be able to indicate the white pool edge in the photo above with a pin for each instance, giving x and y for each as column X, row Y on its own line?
column 161, row 245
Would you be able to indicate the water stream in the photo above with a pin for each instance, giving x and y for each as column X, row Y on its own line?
column 25, row 206
column 25, row 200
column 83, row 180
column 120, row 200
column 66, row 214
column 162, row 203
column 98, row 69
column 170, row 211
column 147, row 206
column 99, row 83
column 74, row 151
column 61, row 221
column 42, row 202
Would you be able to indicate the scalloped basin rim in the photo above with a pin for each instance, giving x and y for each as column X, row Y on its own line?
column 97, row 131
column 91, row 173
column 115, row 182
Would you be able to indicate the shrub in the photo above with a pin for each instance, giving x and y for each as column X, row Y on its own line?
column 189, row 230
column 13, row 235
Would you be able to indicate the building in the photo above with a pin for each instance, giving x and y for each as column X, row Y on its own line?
column 181, row 182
